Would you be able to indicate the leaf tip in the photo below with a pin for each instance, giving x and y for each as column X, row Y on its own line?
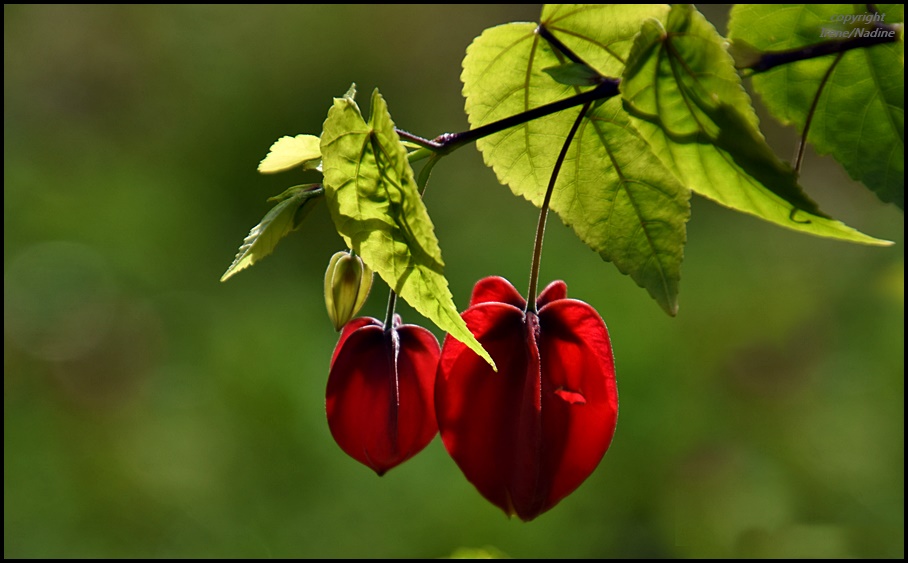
column 229, row 273
column 242, row 261
column 478, row 349
column 667, row 301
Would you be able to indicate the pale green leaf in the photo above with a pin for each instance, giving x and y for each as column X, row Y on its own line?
column 612, row 191
column 377, row 209
column 289, row 152
column 859, row 115
column 282, row 219
column 685, row 98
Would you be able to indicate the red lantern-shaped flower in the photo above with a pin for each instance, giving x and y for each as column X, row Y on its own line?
column 530, row 434
column 380, row 400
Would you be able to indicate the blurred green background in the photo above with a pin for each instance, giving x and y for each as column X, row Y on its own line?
column 150, row 411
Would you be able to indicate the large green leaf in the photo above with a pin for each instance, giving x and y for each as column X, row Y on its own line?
column 612, row 190
column 686, row 99
column 860, row 114
column 376, row 207
column 282, row 219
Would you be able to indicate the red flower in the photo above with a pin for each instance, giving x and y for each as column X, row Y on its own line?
column 530, row 434
column 380, row 392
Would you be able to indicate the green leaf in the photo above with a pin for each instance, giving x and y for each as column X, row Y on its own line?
column 612, row 191
column 685, row 98
column 283, row 218
column 377, row 209
column 860, row 114
column 289, row 152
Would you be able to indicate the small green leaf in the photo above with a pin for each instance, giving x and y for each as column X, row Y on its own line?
column 376, row 207
column 283, row 218
column 574, row 74
column 686, row 99
column 859, row 116
column 289, row 152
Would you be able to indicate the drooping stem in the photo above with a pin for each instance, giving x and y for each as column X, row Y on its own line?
column 389, row 316
column 813, row 108
column 544, row 209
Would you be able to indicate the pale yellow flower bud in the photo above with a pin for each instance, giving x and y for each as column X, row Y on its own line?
column 347, row 284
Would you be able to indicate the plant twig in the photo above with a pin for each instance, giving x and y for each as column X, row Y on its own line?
column 879, row 35
column 449, row 142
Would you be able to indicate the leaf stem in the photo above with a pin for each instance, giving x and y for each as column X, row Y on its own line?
column 543, row 31
column 544, row 210
column 423, row 179
column 418, row 154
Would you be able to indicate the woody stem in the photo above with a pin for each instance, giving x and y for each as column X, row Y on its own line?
column 448, row 142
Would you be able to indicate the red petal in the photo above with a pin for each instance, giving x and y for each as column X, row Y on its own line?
column 478, row 410
column 527, row 485
column 417, row 364
column 380, row 402
column 552, row 292
column 495, row 289
column 349, row 329
column 579, row 396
